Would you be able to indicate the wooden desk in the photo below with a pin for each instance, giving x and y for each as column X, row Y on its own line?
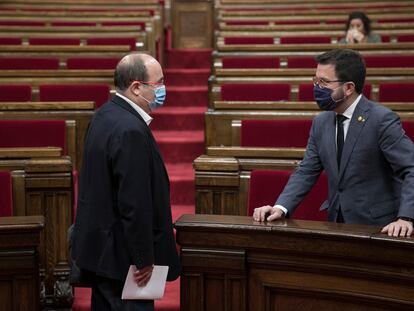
column 19, row 262
column 234, row 263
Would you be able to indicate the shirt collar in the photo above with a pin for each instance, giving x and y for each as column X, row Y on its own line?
column 138, row 109
column 350, row 110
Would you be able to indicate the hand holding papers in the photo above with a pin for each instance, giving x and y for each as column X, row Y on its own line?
column 154, row 288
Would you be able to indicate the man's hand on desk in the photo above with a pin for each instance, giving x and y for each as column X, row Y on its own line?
column 142, row 276
column 260, row 213
column 399, row 227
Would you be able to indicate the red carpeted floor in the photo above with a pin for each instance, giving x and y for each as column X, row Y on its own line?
column 178, row 128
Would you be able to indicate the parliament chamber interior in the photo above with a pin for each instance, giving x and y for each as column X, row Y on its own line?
column 235, row 124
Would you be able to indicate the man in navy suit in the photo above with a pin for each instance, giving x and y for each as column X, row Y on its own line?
column 368, row 159
column 124, row 216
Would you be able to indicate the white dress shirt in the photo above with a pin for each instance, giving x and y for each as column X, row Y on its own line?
column 137, row 108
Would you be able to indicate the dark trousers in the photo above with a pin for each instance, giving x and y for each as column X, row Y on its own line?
column 106, row 296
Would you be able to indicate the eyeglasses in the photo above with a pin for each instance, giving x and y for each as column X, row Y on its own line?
column 152, row 84
column 323, row 83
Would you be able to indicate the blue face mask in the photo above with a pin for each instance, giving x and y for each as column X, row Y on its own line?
column 323, row 98
column 159, row 98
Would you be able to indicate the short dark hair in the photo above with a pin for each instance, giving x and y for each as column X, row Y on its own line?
column 349, row 66
column 129, row 71
column 365, row 20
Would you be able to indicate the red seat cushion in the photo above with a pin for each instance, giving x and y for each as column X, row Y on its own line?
column 301, row 62
column 389, row 61
column 248, row 40
column 73, row 23
column 275, row 133
column 396, row 92
column 409, row 128
column 297, row 22
column 6, row 197
column 305, row 40
column 257, row 92
column 141, row 25
column 99, row 93
column 26, row 63
column 113, row 41
column 21, row 23
column 251, row 62
column 10, row 41
column 33, row 133
column 92, row 63
column 54, row 41
column 267, row 185
column 15, row 93
column 247, row 22
column 405, row 38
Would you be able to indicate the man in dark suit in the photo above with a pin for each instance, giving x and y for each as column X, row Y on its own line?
column 368, row 159
column 124, row 216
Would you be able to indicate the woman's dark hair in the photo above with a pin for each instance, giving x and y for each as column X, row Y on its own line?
column 365, row 20
column 349, row 66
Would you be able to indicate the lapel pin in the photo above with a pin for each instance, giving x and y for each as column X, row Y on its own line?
column 361, row 119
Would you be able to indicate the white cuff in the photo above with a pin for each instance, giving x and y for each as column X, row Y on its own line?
column 284, row 210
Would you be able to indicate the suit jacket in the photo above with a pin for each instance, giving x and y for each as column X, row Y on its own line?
column 123, row 215
column 375, row 183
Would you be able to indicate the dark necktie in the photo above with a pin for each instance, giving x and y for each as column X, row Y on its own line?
column 340, row 137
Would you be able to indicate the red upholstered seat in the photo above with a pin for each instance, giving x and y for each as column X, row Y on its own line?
column 125, row 23
column 92, row 63
column 301, row 62
column 10, row 41
column 113, row 41
column 26, row 63
column 248, row 40
column 247, row 22
column 396, row 20
column 409, row 128
column 297, row 22
column 73, row 23
column 6, row 197
column 306, row 92
column 15, row 93
column 256, row 91
column 275, row 133
column 405, row 38
column 267, row 185
column 396, row 92
column 21, row 23
column 54, row 41
column 389, row 61
column 304, row 40
column 251, row 62
column 33, row 133
column 99, row 93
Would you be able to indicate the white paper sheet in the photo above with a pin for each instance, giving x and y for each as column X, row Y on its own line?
column 154, row 288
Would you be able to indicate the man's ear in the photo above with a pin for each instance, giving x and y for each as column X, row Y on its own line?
column 350, row 89
column 135, row 88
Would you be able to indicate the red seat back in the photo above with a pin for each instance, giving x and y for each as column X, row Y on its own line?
column 301, row 62
column 54, row 41
column 408, row 128
column 275, row 133
column 26, row 63
column 6, row 197
column 396, row 92
column 251, row 62
column 21, row 23
column 92, row 63
column 113, row 41
column 405, row 38
column 10, row 41
column 141, row 25
column 73, row 23
column 248, row 40
column 305, row 40
column 15, row 93
column 267, row 185
column 99, row 93
column 255, row 92
column 389, row 61
column 33, row 133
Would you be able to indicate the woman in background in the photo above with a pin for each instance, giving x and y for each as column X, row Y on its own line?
column 358, row 30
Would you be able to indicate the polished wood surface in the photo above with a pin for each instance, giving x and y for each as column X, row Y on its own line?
column 234, row 263
column 27, row 152
column 19, row 262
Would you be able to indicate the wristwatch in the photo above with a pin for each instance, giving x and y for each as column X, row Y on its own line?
column 406, row 219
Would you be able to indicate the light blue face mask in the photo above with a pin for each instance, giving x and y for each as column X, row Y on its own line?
column 159, row 98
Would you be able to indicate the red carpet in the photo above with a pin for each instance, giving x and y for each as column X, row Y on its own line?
column 178, row 128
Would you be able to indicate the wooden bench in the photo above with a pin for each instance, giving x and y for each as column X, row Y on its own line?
column 43, row 186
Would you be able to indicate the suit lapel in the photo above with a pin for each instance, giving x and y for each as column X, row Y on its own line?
column 356, row 125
